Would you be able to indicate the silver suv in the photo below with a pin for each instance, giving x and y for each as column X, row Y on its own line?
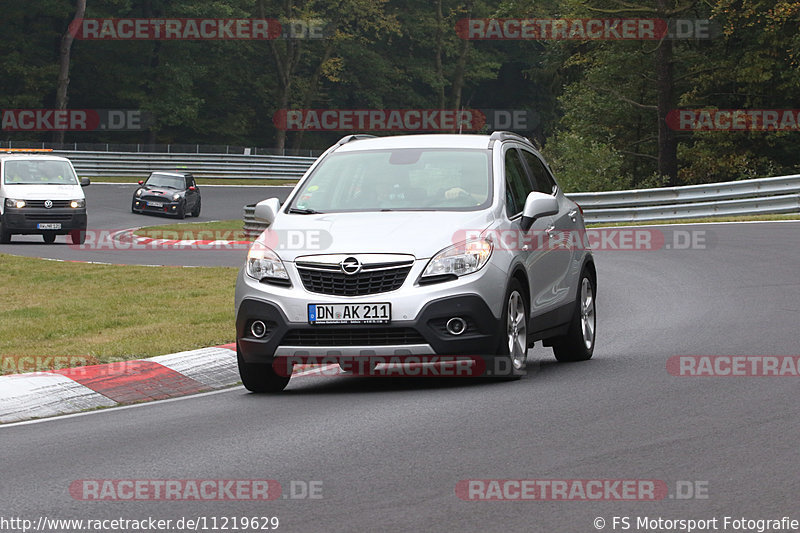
column 413, row 246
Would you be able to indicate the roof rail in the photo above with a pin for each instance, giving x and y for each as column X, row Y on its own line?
column 347, row 138
column 508, row 136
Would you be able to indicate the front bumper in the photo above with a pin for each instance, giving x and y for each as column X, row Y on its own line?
column 168, row 208
column 424, row 335
column 27, row 220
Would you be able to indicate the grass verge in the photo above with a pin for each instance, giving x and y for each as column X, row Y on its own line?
column 747, row 218
column 229, row 230
column 111, row 313
column 201, row 181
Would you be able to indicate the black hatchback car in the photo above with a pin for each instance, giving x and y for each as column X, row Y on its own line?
column 167, row 193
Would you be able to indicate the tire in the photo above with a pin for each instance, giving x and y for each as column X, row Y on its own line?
column 181, row 211
column 196, row 210
column 578, row 343
column 513, row 344
column 5, row 236
column 260, row 377
column 49, row 238
column 78, row 236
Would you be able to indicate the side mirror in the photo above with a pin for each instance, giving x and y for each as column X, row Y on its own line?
column 141, row 182
column 85, row 182
column 192, row 188
column 267, row 209
column 538, row 205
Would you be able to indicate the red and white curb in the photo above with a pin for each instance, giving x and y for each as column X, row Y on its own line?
column 129, row 238
column 71, row 390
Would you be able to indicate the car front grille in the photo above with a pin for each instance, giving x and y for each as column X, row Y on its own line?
column 162, row 199
column 49, row 217
column 321, row 336
column 337, row 283
column 40, row 203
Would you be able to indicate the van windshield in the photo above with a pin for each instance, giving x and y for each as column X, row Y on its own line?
column 29, row 172
column 398, row 180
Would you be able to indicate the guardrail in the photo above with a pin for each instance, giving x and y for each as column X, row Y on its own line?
column 750, row 197
column 732, row 198
column 132, row 164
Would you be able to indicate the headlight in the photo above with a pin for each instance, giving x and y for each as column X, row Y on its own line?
column 264, row 263
column 139, row 192
column 176, row 197
column 460, row 259
column 75, row 204
column 19, row 204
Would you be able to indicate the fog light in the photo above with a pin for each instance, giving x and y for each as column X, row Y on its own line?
column 258, row 329
column 456, row 326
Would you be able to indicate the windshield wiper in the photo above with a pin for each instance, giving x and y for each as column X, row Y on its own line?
column 301, row 211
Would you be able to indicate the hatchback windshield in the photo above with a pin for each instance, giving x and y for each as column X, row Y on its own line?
column 165, row 180
column 402, row 179
column 42, row 172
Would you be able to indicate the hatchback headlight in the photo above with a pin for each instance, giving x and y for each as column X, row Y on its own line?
column 460, row 259
column 176, row 197
column 77, row 204
column 19, row 204
column 263, row 263
column 139, row 192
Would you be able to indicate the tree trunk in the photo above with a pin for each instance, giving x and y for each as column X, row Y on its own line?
column 667, row 143
column 63, row 65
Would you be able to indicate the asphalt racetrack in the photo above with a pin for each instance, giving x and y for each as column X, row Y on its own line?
column 109, row 210
column 386, row 454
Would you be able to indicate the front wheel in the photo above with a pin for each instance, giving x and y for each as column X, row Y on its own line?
column 513, row 347
column 261, row 377
column 5, row 235
column 196, row 210
column 78, row 236
column 181, row 211
column 578, row 343
column 49, row 238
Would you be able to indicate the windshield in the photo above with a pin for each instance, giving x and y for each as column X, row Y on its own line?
column 165, row 180
column 402, row 180
column 42, row 172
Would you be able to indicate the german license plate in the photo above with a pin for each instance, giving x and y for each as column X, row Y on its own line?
column 155, row 204
column 378, row 313
column 49, row 226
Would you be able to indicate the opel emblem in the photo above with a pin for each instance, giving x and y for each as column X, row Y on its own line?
column 350, row 266
column 48, row 204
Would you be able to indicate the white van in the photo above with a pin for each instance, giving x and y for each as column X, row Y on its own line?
column 40, row 194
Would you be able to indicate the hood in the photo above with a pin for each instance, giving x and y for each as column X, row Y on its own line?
column 161, row 191
column 419, row 233
column 43, row 192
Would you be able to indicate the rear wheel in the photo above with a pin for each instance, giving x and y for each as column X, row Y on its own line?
column 49, row 238
column 578, row 343
column 261, row 377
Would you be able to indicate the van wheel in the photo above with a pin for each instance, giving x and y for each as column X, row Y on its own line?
column 49, row 238
column 513, row 347
column 260, row 377
column 5, row 236
column 578, row 343
column 78, row 236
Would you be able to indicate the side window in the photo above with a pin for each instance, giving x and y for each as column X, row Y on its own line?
column 189, row 181
column 542, row 182
column 517, row 184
